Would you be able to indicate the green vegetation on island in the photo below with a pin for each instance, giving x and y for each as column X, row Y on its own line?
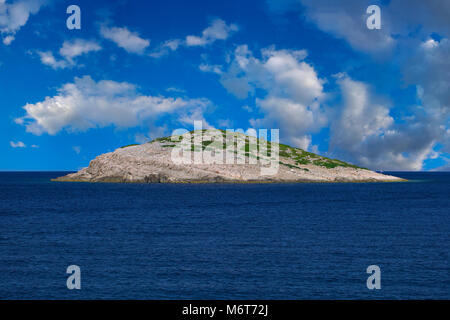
column 297, row 156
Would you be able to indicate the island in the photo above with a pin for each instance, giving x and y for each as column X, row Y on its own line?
column 218, row 156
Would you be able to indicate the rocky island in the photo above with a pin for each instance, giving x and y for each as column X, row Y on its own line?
column 217, row 156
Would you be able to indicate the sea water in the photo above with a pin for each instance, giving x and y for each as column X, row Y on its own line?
column 224, row 241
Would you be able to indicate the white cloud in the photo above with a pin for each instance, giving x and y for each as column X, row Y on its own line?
column 15, row 15
column 69, row 51
column 175, row 90
column 287, row 90
column 86, row 104
column 281, row 71
column 126, row 39
column 446, row 139
column 49, row 59
column 8, row 40
column 363, row 132
column 172, row 44
column 18, row 144
column 430, row 44
column 429, row 69
column 77, row 47
column 295, row 120
column 218, row 30
column 289, row 94
column 360, row 117
column 431, row 16
column 346, row 19
column 165, row 48
column 411, row 28
column 210, row 68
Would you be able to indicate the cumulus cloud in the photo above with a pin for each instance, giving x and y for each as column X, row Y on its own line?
column 295, row 120
column 432, row 16
column 281, row 71
column 205, row 67
column 77, row 47
column 126, row 39
column 18, row 144
column 346, row 19
column 218, row 30
column 429, row 69
column 8, row 40
column 165, row 48
column 69, row 51
column 287, row 91
column 175, row 90
column 86, row 104
column 360, row 117
column 419, row 32
column 290, row 95
column 14, row 15
column 363, row 131
column 49, row 59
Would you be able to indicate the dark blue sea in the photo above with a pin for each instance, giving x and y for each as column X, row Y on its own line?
column 235, row 241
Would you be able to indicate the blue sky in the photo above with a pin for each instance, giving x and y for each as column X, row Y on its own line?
column 139, row 69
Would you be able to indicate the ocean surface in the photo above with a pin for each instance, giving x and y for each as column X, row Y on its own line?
column 236, row 241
